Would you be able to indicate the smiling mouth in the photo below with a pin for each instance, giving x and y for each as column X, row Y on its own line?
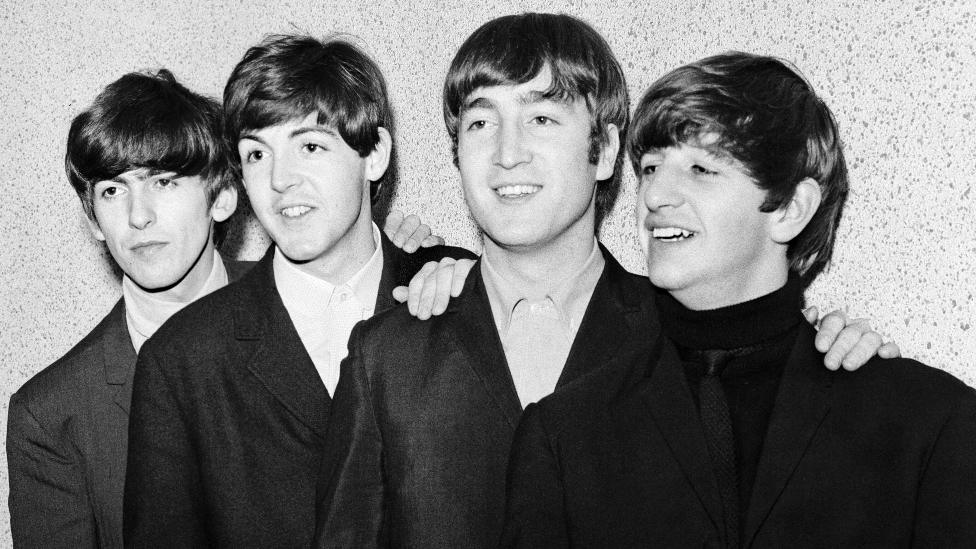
column 671, row 234
column 517, row 191
column 295, row 211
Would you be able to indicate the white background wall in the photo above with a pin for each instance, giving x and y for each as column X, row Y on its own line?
column 900, row 77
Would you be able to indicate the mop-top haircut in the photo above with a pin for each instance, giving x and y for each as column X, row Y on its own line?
column 288, row 77
column 761, row 112
column 148, row 121
column 514, row 49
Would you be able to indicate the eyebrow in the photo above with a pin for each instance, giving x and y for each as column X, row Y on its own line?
column 150, row 173
column 253, row 136
column 529, row 98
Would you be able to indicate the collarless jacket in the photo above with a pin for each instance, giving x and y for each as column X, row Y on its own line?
column 229, row 417
column 881, row 457
column 425, row 412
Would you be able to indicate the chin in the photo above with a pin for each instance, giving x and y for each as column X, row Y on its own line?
column 156, row 282
column 667, row 278
column 299, row 252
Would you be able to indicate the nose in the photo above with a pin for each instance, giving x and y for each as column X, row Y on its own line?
column 661, row 189
column 510, row 147
column 283, row 175
column 142, row 210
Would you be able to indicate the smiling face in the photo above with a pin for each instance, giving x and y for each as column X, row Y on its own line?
column 705, row 240
column 157, row 226
column 524, row 165
column 310, row 190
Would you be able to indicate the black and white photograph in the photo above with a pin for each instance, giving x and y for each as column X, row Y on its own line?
column 521, row 274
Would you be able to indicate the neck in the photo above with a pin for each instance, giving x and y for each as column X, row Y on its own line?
column 347, row 256
column 535, row 268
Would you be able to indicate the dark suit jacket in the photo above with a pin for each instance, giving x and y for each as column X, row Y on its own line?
column 425, row 412
column 66, row 441
column 881, row 457
column 229, row 419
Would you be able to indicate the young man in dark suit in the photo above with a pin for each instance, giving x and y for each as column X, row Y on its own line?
column 425, row 411
column 156, row 198
column 721, row 428
column 231, row 398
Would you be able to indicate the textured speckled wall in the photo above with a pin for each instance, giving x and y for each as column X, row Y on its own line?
column 900, row 76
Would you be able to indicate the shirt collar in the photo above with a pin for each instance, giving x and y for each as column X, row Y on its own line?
column 570, row 295
column 145, row 312
column 307, row 295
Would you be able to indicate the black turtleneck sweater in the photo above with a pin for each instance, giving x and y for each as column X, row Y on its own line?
column 750, row 381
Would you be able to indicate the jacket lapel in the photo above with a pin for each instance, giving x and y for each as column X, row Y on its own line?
column 477, row 339
column 119, row 355
column 612, row 319
column 801, row 404
column 676, row 416
column 279, row 360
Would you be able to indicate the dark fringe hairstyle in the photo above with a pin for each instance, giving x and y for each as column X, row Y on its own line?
column 287, row 77
column 515, row 48
column 767, row 117
column 148, row 120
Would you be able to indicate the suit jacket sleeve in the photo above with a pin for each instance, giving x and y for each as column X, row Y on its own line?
column 49, row 504
column 945, row 512
column 534, row 515
column 350, row 508
column 163, row 505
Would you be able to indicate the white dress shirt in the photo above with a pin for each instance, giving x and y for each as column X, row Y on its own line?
column 537, row 334
column 323, row 313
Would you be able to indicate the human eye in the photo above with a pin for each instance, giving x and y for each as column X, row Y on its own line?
column 253, row 156
column 477, row 124
column 166, row 182
column 543, row 120
column 701, row 170
column 313, row 147
column 649, row 163
column 108, row 191
column 250, row 152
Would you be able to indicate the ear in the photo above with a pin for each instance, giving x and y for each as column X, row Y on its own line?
column 94, row 228
column 608, row 153
column 225, row 204
column 791, row 218
column 379, row 159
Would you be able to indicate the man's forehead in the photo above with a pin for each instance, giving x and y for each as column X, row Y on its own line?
column 487, row 97
column 294, row 126
column 141, row 173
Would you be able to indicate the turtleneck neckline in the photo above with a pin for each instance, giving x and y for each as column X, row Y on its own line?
column 734, row 326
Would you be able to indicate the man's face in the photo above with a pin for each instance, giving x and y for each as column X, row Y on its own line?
column 524, row 164
column 157, row 226
column 699, row 223
column 307, row 186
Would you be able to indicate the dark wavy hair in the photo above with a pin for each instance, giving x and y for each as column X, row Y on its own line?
column 515, row 48
column 148, row 120
column 767, row 117
column 287, row 77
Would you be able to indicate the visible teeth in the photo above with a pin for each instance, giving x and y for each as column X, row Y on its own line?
column 517, row 190
column 671, row 233
column 295, row 211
